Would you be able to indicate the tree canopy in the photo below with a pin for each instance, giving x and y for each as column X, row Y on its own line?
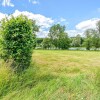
column 59, row 37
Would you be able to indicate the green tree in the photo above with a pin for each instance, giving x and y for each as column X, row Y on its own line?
column 63, row 41
column 59, row 37
column 98, row 26
column 55, row 32
column 46, row 43
column 95, row 39
column 88, row 39
column 39, row 42
column 18, row 40
column 77, row 41
column 96, row 36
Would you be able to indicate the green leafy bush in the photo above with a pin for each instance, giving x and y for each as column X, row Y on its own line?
column 18, row 40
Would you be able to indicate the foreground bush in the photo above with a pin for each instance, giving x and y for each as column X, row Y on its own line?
column 18, row 40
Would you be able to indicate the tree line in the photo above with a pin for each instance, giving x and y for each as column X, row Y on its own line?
column 58, row 39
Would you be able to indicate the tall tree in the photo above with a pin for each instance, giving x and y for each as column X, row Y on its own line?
column 96, row 36
column 39, row 42
column 77, row 41
column 46, row 43
column 59, row 37
column 95, row 39
column 98, row 26
column 88, row 39
column 63, row 41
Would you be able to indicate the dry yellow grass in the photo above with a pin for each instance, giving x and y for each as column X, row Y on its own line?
column 67, row 62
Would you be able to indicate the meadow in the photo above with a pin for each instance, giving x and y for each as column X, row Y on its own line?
column 54, row 75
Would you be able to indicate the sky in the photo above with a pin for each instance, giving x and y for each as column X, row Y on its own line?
column 76, row 15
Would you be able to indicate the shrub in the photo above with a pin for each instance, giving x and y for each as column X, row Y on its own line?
column 18, row 40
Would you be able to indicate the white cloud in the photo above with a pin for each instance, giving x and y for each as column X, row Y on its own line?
column 73, row 33
column 91, row 23
column 7, row 3
column 43, row 33
column 41, row 21
column 34, row 2
column 2, row 15
column 82, row 26
column 62, row 20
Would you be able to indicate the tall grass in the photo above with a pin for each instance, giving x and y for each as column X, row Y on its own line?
column 10, row 81
column 97, row 80
column 60, row 88
column 50, row 79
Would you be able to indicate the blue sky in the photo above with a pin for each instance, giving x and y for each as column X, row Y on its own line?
column 72, row 13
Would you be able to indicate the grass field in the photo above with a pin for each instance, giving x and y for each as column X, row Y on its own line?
column 54, row 75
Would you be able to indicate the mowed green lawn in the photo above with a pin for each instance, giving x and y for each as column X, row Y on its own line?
column 58, row 75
